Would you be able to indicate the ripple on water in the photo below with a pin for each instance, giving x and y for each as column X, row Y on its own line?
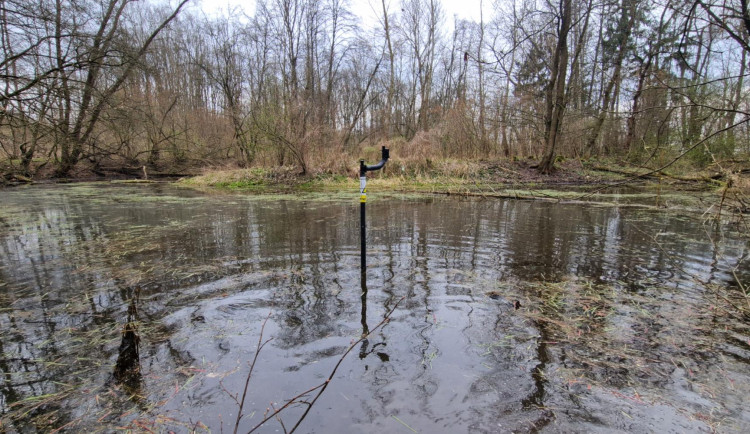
column 516, row 316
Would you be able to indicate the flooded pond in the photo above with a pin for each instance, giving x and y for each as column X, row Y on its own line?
column 503, row 316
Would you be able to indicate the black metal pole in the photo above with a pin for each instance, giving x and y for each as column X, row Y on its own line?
column 362, row 214
column 363, row 169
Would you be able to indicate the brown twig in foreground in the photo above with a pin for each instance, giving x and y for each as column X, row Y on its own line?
column 259, row 347
column 320, row 387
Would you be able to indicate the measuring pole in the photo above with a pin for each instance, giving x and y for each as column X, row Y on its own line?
column 363, row 169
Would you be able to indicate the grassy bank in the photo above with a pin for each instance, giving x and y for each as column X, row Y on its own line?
column 444, row 176
column 575, row 181
column 718, row 188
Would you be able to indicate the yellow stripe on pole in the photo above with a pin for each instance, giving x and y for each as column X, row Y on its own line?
column 363, row 198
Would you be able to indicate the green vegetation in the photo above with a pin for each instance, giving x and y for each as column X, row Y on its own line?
column 595, row 181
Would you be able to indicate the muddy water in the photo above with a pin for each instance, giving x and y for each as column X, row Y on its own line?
column 509, row 315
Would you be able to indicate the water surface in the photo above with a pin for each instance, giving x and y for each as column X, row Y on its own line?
column 509, row 315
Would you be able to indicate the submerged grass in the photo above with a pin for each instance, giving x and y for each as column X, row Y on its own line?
column 610, row 336
column 648, row 346
column 632, row 343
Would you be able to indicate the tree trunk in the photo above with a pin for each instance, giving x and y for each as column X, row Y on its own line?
column 391, row 75
column 735, row 105
column 628, row 13
column 483, row 142
column 631, row 122
column 555, row 94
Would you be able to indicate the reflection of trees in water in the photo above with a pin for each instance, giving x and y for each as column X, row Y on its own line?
column 510, row 241
column 310, row 239
column 45, row 306
column 310, row 311
column 66, row 272
column 63, row 299
column 63, row 280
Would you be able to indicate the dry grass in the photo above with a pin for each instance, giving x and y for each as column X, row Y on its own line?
column 741, row 182
column 333, row 160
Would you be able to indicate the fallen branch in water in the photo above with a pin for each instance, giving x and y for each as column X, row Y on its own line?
column 298, row 398
column 259, row 347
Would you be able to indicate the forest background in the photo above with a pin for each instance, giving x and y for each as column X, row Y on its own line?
column 124, row 86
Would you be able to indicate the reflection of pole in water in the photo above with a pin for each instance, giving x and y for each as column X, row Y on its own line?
column 363, row 169
column 363, row 317
column 366, row 329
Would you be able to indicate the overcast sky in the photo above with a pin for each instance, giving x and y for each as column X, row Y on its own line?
column 466, row 9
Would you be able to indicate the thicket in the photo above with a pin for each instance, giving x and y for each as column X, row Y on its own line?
column 116, row 84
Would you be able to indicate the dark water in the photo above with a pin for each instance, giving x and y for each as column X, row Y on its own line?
column 512, row 316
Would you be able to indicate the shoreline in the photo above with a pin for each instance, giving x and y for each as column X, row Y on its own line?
column 573, row 182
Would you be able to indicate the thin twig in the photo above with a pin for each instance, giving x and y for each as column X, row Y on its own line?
column 676, row 159
column 694, row 276
column 386, row 318
column 322, row 386
column 742, row 287
column 259, row 347
column 288, row 403
column 281, row 422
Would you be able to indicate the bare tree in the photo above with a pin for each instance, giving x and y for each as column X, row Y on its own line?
column 100, row 81
column 620, row 41
column 109, row 83
column 555, row 92
column 421, row 22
